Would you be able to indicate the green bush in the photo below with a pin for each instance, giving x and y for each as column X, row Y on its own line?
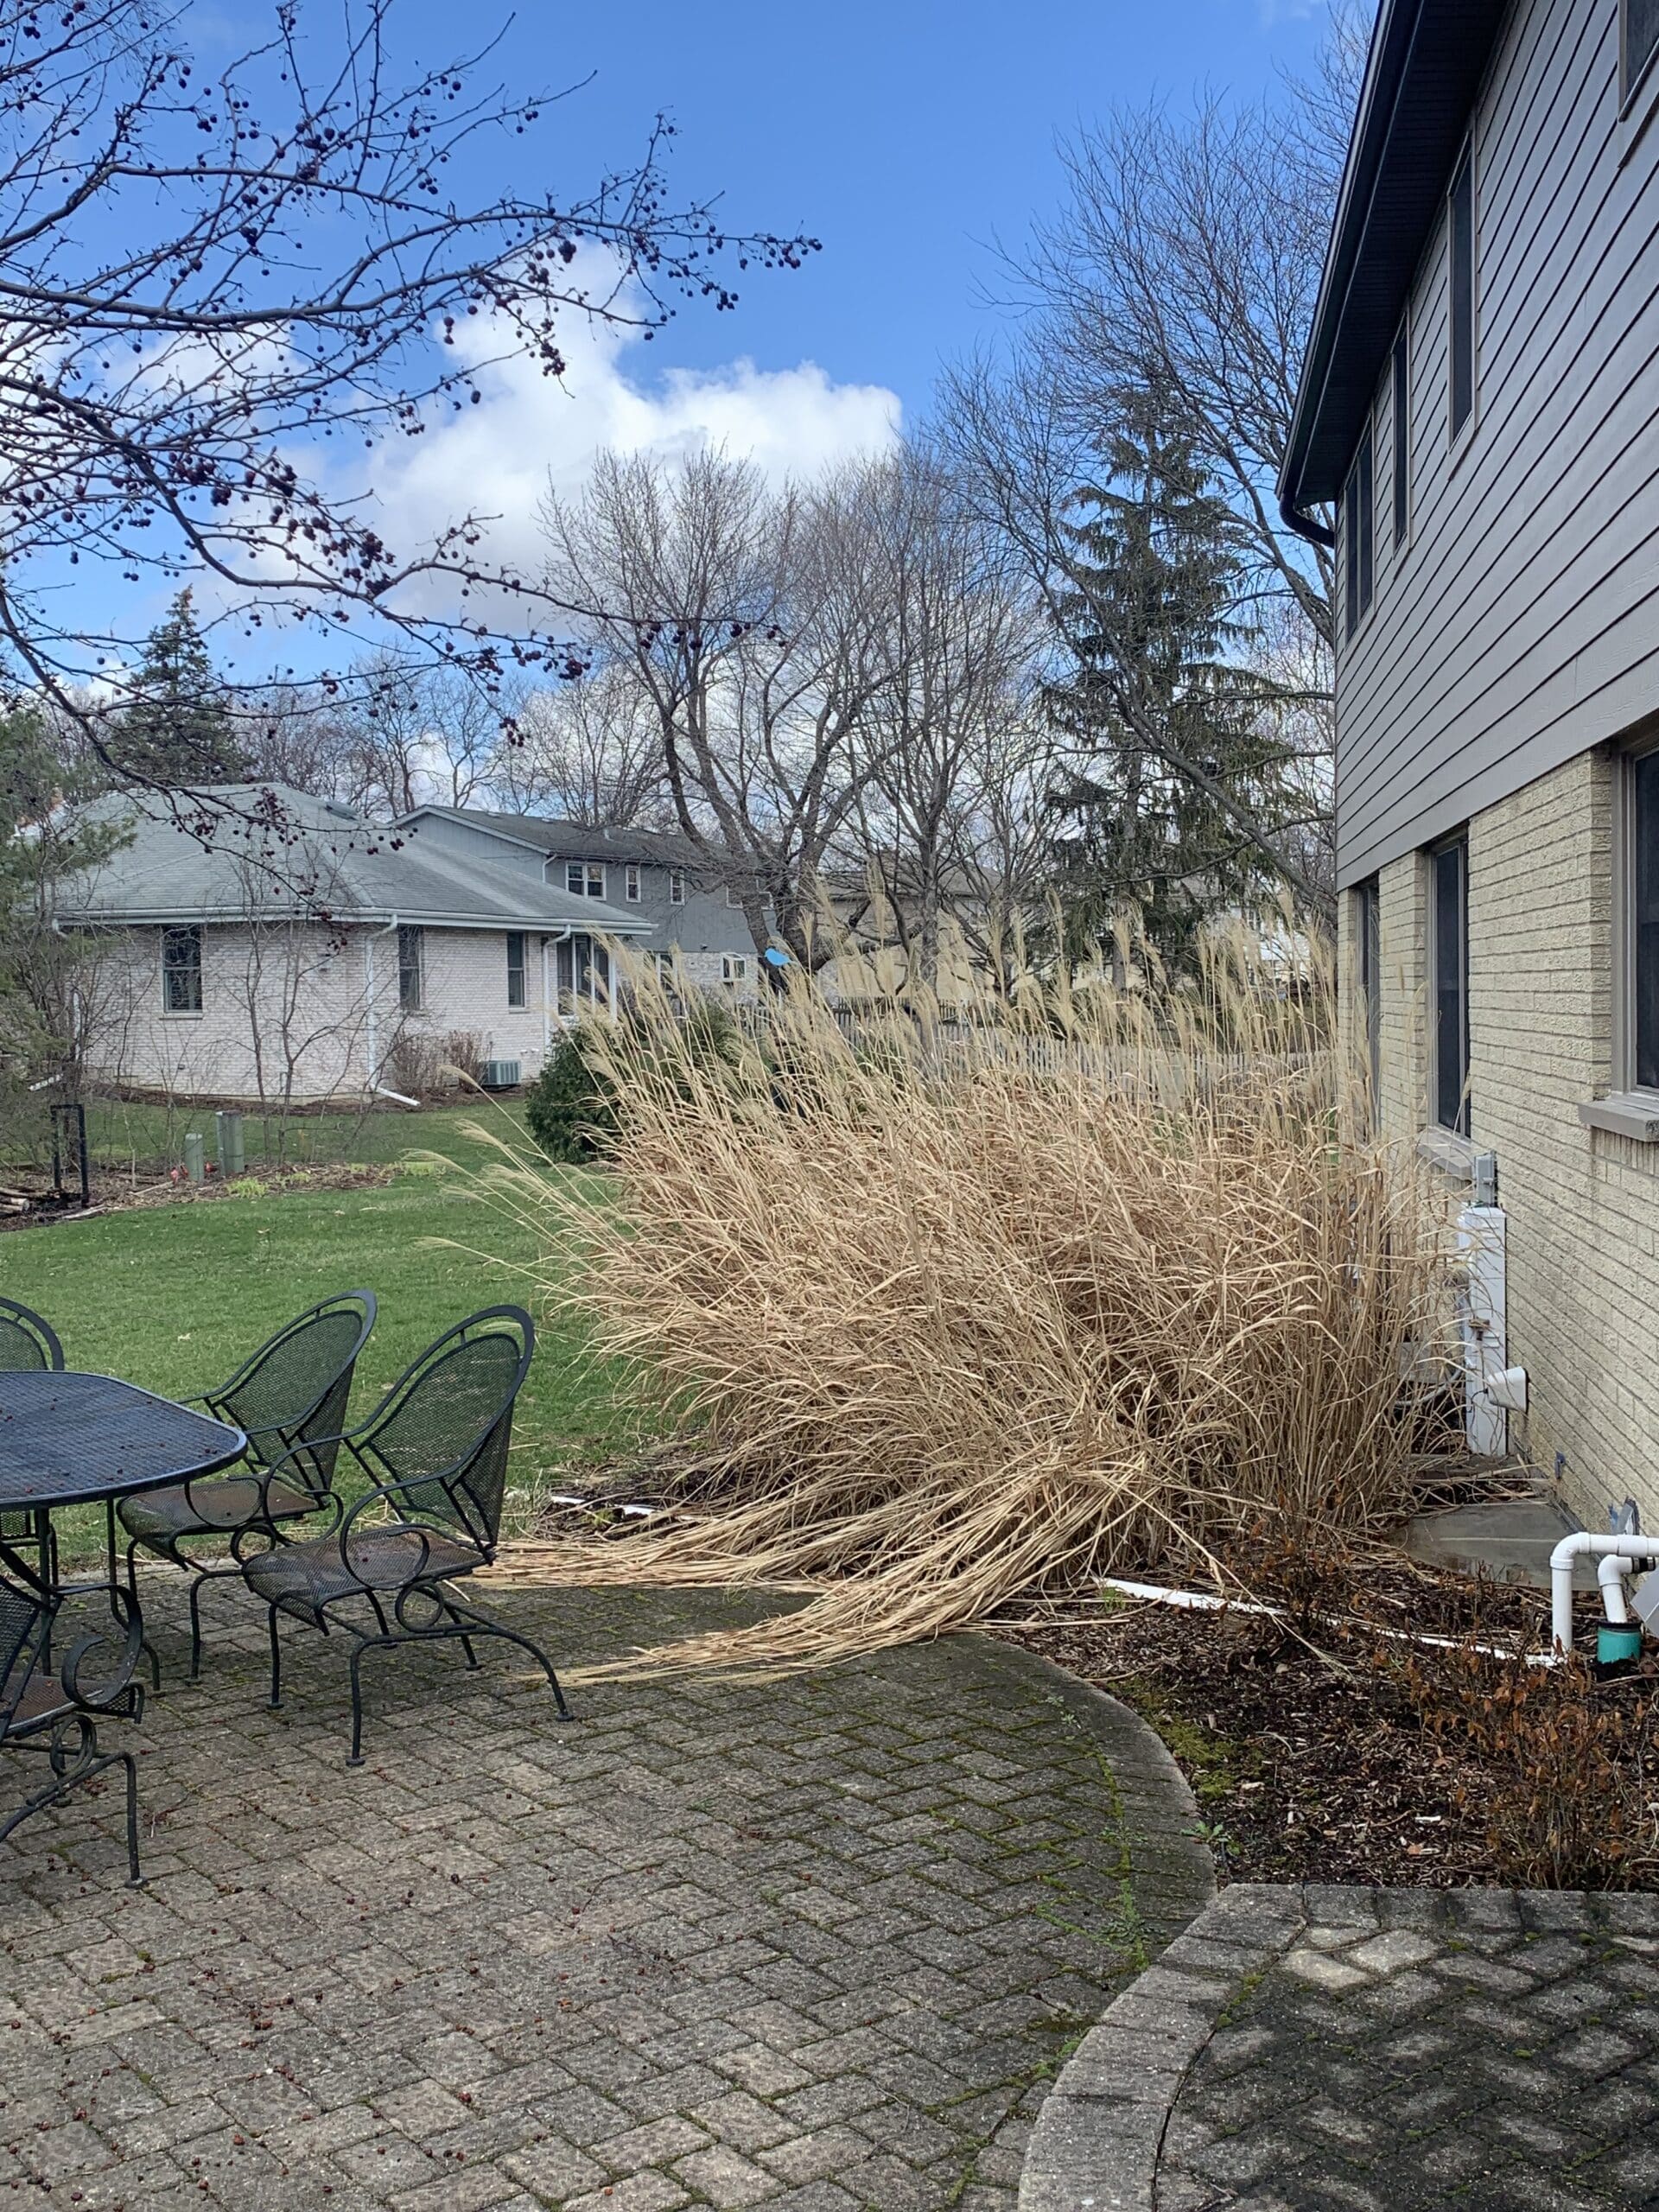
column 571, row 1106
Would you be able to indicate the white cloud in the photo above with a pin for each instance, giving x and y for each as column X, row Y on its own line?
column 531, row 431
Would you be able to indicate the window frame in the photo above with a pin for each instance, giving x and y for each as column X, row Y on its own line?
column 734, row 967
column 519, row 968
column 1631, row 86
column 1460, row 428
column 1399, row 381
column 1626, row 1069
column 633, row 882
column 677, row 886
column 1461, row 1123
column 593, row 878
column 1367, row 910
column 1359, row 533
column 174, row 933
column 411, row 962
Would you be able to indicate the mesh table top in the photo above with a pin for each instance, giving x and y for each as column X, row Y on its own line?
column 75, row 1440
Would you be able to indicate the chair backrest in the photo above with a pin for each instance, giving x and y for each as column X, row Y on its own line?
column 27, row 1345
column 449, row 1417
column 24, row 1620
column 291, row 1396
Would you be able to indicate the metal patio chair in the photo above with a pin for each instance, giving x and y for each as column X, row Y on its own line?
column 28, row 1345
column 57, row 1715
column 436, row 1454
column 290, row 1398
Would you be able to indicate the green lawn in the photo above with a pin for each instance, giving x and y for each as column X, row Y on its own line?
column 175, row 1296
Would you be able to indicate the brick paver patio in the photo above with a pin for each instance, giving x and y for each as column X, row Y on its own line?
column 821, row 1944
column 1340, row 2050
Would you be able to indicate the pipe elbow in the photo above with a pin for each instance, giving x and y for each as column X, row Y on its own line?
column 1305, row 525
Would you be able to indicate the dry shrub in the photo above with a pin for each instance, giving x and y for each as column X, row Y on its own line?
column 1088, row 1285
column 1552, row 1764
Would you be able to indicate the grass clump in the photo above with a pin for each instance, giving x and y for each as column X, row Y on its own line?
column 1084, row 1282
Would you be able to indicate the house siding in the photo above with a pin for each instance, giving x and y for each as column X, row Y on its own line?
column 1582, row 1204
column 1519, row 626
column 253, row 1024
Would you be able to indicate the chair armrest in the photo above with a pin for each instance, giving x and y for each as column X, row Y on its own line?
column 98, row 1697
column 392, row 1493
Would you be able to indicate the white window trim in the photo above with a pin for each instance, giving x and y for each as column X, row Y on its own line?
column 1435, row 1130
column 1628, row 1110
column 589, row 868
column 734, row 968
column 677, row 886
column 633, row 883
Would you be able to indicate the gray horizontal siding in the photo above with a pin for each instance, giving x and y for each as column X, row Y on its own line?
column 1521, row 624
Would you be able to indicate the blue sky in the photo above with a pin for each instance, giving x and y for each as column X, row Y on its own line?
column 908, row 135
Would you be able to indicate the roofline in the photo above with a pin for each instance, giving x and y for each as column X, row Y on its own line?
column 473, row 821
column 1422, row 79
column 147, row 917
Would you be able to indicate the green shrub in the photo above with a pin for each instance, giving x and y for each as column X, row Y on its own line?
column 571, row 1106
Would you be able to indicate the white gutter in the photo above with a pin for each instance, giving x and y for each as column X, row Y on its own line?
column 1560, row 1576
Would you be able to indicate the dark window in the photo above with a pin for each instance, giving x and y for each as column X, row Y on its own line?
column 586, row 879
column 1644, row 931
column 1462, row 227
column 1452, row 986
column 1641, row 37
column 1357, row 503
column 584, row 973
column 1401, row 439
column 411, row 967
column 632, row 884
column 515, row 968
column 1368, row 928
column 182, row 971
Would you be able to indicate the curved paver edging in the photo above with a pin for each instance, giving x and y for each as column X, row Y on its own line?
column 1170, row 1874
column 1096, row 2144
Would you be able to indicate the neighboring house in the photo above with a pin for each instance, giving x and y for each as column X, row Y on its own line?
column 1481, row 395
column 655, row 877
column 295, row 951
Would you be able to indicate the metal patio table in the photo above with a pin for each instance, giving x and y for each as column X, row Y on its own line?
column 68, row 1439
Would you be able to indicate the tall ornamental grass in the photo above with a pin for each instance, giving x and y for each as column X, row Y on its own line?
column 948, row 1311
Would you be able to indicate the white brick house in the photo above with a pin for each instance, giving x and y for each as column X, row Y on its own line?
column 294, row 952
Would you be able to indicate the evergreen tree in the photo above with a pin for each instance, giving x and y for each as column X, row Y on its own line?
column 1161, row 675
column 177, row 730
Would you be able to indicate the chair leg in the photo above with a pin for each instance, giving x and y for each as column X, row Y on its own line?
column 195, row 1628
column 356, row 1759
column 465, row 1640
column 135, row 1879
column 275, row 1663
column 482, row 1625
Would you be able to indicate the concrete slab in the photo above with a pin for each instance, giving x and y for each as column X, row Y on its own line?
column 1510, row 1539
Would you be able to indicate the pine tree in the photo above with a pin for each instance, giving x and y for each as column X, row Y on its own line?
column 1161, row 668
column 177, row 730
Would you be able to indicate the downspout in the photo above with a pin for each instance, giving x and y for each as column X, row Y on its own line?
column 368, row 980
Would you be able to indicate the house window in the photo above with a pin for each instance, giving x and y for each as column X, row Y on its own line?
column 1644, row 999
column 516, row 968
column 1357, row 503
column 1401, row 393
column 1461, row 230
column 1639, row 36
column 677, row 886
column 734, row 968
column 584, row 973
column 411, row 968
column 1368, row 933
column 632, row 884
column 585, row 879
column 1449, row 941
column 182, row 970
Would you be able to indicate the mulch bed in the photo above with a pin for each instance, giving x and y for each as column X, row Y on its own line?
column 119, row 1193
column 1303, row 1748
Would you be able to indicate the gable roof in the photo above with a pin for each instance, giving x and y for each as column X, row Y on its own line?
column 282, row 855
column 564, row 840
column 1423, row 69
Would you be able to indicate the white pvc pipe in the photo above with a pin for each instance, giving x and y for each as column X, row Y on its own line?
column 1560, row 1572
column 1610, row 1575
column 1204, row 1601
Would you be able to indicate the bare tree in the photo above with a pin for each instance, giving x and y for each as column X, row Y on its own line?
column 741, row 613
column 589, row 751
column 206, row 278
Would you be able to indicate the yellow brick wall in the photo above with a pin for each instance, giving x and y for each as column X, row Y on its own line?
column 1582, row 1204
